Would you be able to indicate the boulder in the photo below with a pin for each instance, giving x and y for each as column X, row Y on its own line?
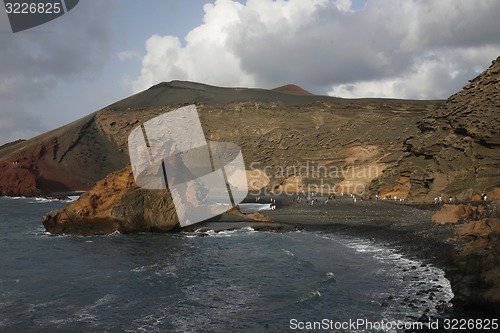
column 115, row 204
column 452, row 213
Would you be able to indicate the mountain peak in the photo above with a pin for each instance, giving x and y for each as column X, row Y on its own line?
column 292, row 89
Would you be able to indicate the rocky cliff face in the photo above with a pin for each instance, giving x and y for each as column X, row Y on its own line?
column 115, row 203
column 476, row 279
column 456, row 152
column 474, row 273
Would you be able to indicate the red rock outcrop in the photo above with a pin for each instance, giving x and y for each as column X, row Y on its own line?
column 115, row 204
column 450, row 213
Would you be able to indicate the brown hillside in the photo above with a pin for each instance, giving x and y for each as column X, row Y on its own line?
column 326, row 131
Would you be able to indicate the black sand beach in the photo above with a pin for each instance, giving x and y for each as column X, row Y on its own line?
column 401, row 225
column 404, row 225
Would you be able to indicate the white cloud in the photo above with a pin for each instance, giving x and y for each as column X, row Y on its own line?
column 205, row 58
column 431, row 76
column 403, row 49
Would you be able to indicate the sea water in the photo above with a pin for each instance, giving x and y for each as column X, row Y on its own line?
column 232, row 281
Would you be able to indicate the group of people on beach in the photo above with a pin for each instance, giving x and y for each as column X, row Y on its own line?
column 439, row 199
column 309, row 200
column 389, row 197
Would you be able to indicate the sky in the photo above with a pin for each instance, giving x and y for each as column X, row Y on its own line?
column 103, row 51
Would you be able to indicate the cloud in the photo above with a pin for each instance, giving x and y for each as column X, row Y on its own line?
column 21, row 126
column 33, row 62
column 404, row 49
column 127, row 55
column 430, row 76
column 205, row 58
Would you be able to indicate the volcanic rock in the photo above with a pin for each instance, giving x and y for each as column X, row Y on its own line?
column 450, row 213
column 476, row 277
column 70, row 158
column 115, row 204
column 457, row 150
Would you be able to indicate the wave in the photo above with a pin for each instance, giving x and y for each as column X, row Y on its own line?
column 47, row 200
column 34, row 200
column 13, row 198
column 420, row 281
column 315, row 294
column 247, row 208
column 222, row 233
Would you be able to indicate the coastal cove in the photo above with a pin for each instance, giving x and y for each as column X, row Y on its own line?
column 411, row 251
column 399, row 215
column 204, row 281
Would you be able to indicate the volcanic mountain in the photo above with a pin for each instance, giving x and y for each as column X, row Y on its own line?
column 390, row 147
column 292, row 89
column 274, row 129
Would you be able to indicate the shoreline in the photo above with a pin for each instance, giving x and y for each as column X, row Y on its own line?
column 404, row 226
column 408, row 228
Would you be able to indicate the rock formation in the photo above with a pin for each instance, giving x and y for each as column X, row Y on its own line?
column 475, row 272
column 475, row 279
column 456, row 152
column 115, row 203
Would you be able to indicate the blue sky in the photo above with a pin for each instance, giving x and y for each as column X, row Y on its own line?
column 103, row 51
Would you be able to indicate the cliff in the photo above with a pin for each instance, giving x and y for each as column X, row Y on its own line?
column 115, row 203
column 456, row 151
column 473, row 271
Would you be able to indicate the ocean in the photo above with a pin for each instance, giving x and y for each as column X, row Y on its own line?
column 232, row 281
